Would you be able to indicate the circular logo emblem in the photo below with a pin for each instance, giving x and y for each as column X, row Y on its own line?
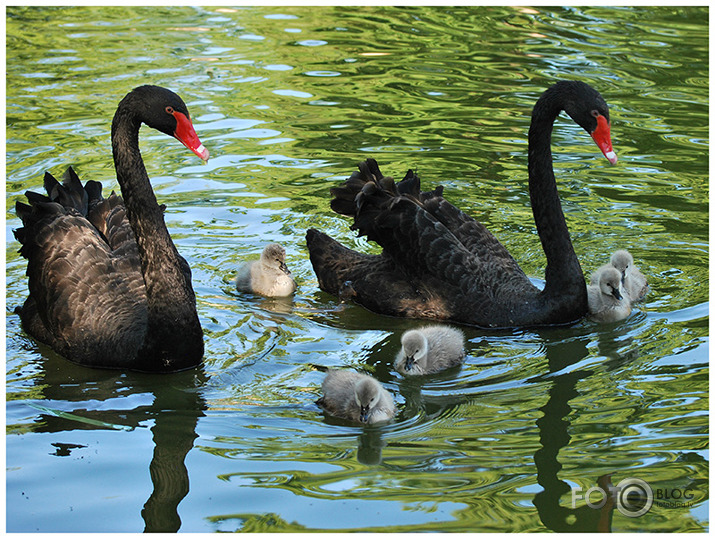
column 634, row 497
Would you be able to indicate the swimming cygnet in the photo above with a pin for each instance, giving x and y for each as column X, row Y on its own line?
column 430, row 349
column 634, row 281
column 607, row 301
column 356, row 397
column 268, row 276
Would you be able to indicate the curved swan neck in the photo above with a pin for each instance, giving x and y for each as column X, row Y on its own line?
column 173, row 326
column 143, row 211
column 563, row 268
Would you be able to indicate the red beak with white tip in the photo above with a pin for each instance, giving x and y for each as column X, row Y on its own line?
column 186, row 134
column 602, row 137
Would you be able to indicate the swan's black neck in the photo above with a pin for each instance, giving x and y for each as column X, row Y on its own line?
column 174, row 337
column 564, row 277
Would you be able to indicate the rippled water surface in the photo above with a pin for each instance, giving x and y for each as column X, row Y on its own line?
column 289, row 100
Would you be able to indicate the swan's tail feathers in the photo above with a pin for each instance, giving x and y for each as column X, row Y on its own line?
column 325, row 256
column 69, row 193
column 40, row 210
column 94, row 193
column 23, row 211
column 77, row 194
column 367, row 193
column 410, row 185
column 107, row 215
column 335, row 265
column 373, row 281
column 367, row 180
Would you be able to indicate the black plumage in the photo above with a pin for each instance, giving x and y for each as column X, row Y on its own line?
column 437, row 262
column 107, row 285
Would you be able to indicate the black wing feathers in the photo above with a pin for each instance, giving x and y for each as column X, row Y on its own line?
column 436, row 262
column 84, row 271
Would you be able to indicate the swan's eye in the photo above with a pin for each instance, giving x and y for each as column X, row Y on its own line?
column 169, row 110
column 595, row 113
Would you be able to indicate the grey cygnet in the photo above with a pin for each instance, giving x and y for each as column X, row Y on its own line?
column 268, row 276
column 430, row 349
column 608, row 301
column 356, row 397
column 634, row 282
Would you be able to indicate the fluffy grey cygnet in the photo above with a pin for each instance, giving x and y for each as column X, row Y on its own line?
column 430, row 349
column 268, row 276
column 607, row 300
column 356, row 397
column 634, row 281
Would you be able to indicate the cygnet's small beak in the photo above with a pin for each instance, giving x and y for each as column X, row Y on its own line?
column 284, row 268
column 617, row 294
column 364, row 413
column 409, row 363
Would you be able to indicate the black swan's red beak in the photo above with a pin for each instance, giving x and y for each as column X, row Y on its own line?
column 186, row 134
column 602, row 137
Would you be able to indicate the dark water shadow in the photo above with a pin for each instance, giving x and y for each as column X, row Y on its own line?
column 562, row 351
column 174, row 411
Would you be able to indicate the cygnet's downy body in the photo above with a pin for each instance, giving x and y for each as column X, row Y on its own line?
column 607, row 300
column 634, row 282
column 268, row 276
column 356, row 397
column 430, row 349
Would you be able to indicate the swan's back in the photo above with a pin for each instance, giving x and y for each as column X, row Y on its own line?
column 434, row 256
column 87, row 299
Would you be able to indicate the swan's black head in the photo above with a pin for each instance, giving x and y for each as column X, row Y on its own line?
column 589, row 110
column 163, row 110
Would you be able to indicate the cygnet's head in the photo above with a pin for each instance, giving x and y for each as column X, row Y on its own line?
column 621, row 260
column 367, row 395
column 609, row 283
column 415, row 348
column 273, row 257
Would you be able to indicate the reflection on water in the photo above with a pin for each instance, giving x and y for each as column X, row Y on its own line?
column 553, row 435
column 288, row 100
column 172, row 405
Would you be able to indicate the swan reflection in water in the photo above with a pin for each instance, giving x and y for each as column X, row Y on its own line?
column 172, row 403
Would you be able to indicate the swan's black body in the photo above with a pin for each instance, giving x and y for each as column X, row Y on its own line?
column 107, row 285
column 439, row 263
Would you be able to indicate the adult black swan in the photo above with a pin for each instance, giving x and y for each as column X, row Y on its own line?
column 107, row 286
column 438, row 262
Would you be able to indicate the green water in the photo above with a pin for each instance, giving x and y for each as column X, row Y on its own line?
column 289, row 100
